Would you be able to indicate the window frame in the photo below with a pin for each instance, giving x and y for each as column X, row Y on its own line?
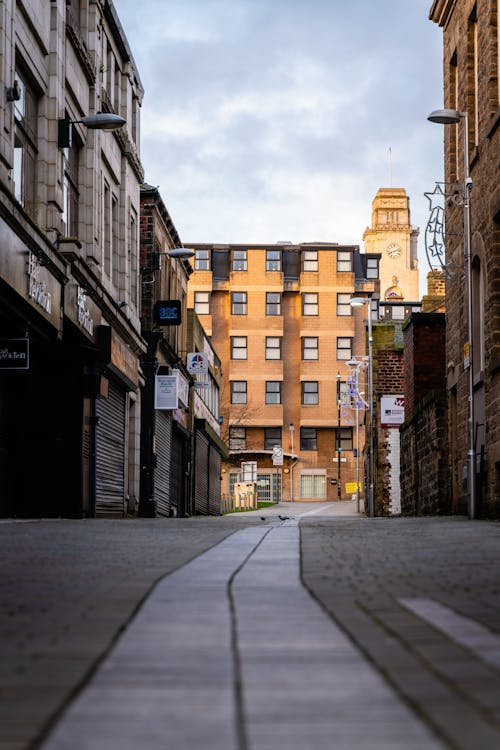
column 273, row 308
column 273, row 348
column 310, row 308
column 235, row 348
column 202, row 303
column 270, row 261
column 237, row 442
column 239, row 306
column 202, row 260
column 344, row 307
column 348, row 349
column 243, row 391
column 305, row 348
column 308, row 442
column 344, row 261
column 270, row 392
column 237, row 261
column 312, row 392
column 271, row 440
column 306, row 262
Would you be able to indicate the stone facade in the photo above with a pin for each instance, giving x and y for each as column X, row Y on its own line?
column 471, row 84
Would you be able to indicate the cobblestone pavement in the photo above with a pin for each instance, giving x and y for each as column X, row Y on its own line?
column 421, row 599
column 418, row 598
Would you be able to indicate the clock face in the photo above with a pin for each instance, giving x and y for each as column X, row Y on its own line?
column 393, row 250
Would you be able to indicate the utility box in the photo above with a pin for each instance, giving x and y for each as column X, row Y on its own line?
column 245, row 495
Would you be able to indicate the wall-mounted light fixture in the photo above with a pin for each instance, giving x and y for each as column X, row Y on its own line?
column 99, row 121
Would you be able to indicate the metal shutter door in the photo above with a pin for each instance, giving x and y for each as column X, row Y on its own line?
column 214, row 482
column 201, row 504
column 110, row 454
column 163, row 434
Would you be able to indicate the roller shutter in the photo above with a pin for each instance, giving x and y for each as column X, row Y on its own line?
column 214, row 482
column 201, row 469
column 110, row 454
column 163, row 434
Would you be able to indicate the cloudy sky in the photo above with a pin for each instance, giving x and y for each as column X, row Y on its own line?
column 272, row 120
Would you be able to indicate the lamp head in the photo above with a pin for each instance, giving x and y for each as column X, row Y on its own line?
column 445, row 116
column 358, row 301
column 181, row 253
column 103, row 121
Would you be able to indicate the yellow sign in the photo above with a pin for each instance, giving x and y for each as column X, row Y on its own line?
column 466, row 355
column 350, row 487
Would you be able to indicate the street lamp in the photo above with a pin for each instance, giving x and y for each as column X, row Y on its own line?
column 181, row 253
column 358, row 302
column 453, row 117
column 98, row 121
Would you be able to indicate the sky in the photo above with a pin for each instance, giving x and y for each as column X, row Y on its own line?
column 278, row 120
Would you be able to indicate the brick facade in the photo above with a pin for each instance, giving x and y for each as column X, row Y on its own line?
column 471, row 84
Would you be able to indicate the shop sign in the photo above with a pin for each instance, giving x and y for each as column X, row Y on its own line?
column 167, row 312
column 392, row 411
column 83, row 313
column 37, row 288
column 166, row 392
column 182, row 386
column 197, row 363
column 14, row 354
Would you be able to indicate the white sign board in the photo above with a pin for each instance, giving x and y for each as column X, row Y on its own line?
column 392, row 411
column 277, row 455
column 197, row 363
column 182, row 386
column 166, row 392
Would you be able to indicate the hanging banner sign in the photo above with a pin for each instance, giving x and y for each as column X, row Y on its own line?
column 167, row 312
column 166, row 392
column 14, row 354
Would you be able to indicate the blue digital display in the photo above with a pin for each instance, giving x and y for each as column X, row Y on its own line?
column 167, row 312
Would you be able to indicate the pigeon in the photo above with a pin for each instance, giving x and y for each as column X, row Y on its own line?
column 284, row 518
column 262, row 518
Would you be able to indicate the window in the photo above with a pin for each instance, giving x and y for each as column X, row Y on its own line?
column 272, row 437
column 238, row 303
column 237, row 438
column 344, row 348
column 201, row 260
column 202, row 303
column 133, row 258
column 273, row 347
column 273, row 260
column 238, row 391
column 345, row 439
column 273, row 392
column 310, row 303
column 238, row 347
column 273, row 303
column 309, row 347
column 372, row 268
column 313, row 485
column 239, row 260
column 343, row 304
column 344, row 260
column 308, row 439
column 310, row 393
column 310, row 259
column 71, row 158
column 24, row 172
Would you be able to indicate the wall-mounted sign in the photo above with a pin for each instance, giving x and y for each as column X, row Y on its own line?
column 14, row 354
column 197, row 363
column 392, row 411
column 166, row 392
column 167, row 312
column 182, row 387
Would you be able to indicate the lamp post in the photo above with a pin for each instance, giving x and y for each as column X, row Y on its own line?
column 98, row 121
column 453, row 117
column 358, row 302
column 339, row 445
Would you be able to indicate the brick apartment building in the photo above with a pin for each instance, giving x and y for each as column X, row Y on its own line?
column 472, row 85
column 280, row 320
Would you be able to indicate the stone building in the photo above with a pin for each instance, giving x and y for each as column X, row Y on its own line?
column 280, row 320
column 166, row 424
column 392, row 235
column 472, row 88
column 69, row 261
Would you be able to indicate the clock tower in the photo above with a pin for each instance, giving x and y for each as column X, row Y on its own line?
column 392, row 235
